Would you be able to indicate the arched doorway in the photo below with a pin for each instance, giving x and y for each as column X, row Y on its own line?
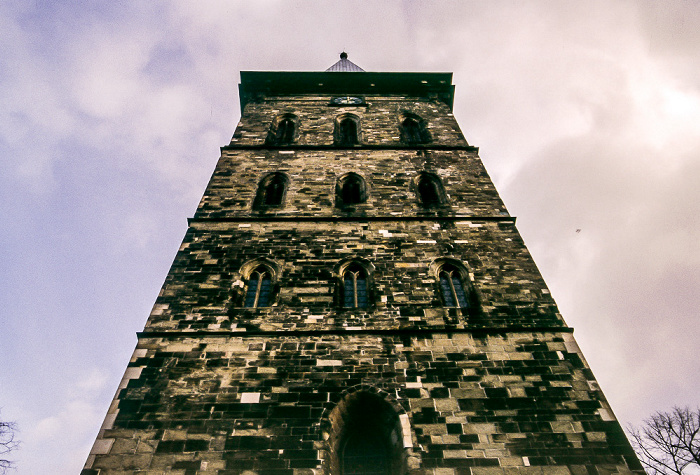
column 365, row 437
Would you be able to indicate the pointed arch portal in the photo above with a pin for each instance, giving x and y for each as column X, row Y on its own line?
column 366, row 436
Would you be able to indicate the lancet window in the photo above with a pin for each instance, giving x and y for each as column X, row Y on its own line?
column 283, row 130
column 430, row 190
column 452, row 287
column 347, row 128
column 271, row 190
column 259, row 290
column 413, row 129
column 351, row 189
column 355, row 287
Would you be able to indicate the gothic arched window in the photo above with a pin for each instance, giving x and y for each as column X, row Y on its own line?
column 351, row 192
column 351, row 189
column 283, row 130
column 413, row 130
column 271, row 190
column 355, row 288
column 347, row 130
column 454, row 293
column 259, row 290
column 430, row 190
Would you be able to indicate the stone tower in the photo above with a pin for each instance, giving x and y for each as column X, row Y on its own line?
column 352, row 297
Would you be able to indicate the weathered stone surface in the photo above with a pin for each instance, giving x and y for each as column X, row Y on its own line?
column 215, row 387
column 505, row 281
column 199, row 399
column 389, row 174
column 379, row 120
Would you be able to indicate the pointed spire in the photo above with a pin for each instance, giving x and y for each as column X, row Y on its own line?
column 345, row 65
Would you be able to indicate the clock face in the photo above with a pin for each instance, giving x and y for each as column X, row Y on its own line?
column 347, row 100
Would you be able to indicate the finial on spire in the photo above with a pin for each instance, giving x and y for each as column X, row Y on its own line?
column 343, row 55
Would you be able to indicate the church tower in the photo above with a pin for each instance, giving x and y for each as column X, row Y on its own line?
column 352, row 297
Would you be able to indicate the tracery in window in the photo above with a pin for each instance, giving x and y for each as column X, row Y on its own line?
column 413, row 129
column 256, row 284
column 355, row 287
column 347, row 128
column 452, row 287
column 283, row 130
column 350, row 189
column 354, row 284
column 430, row 190
column 259, row 288
column 271, row 190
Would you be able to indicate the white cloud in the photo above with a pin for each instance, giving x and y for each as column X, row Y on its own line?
column 68, row 433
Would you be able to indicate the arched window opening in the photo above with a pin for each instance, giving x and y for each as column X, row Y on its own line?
column 413, row 130
column 452, row 287
column 274, row 191
column 271, row 191
column 351, row 190
column 430, row 191
column 347, row 131
column 366, row 437
column 285, row 131
column 259, row 288
column 355, row 287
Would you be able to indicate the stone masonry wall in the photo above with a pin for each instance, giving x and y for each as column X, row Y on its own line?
column 500, row 388
column 313, row 174
column 516, row 403
column 201, row 291
column 379, row 120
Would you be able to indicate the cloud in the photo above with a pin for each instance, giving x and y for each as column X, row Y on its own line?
column 628, row 182
column 586, row 115
column 67, row 434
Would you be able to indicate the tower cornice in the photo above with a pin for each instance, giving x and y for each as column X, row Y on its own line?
column 237, row 146
column 257, row 84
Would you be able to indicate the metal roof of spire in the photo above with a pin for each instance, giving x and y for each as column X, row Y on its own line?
column 345, row 65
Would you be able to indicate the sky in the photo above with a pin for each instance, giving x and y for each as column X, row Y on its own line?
column 586, row 113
